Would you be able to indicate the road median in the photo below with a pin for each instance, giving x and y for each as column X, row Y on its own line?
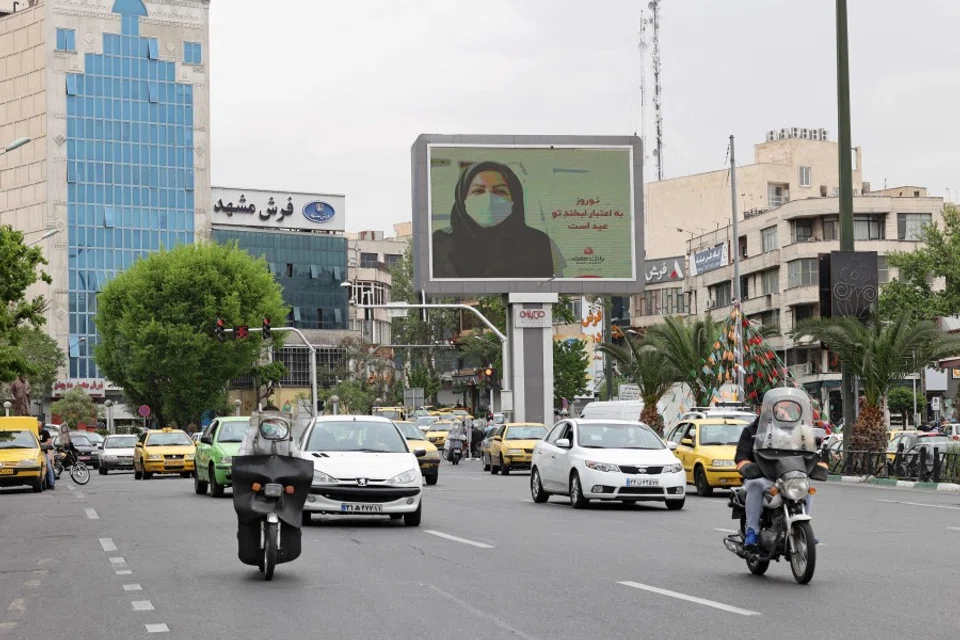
column 943, row 487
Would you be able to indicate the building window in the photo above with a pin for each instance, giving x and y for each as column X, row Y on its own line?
column 391, row 259
column 742, row 246
column 192, row 53
column 721, row 294
column 777, row 194
column 289, row 270
column 909, row 225
column 769, row 319
column 770, row 281
column 802, row 230
column 66, row 40
column 883, row 270
column 768, row 238
column 868, row 227
column 804, row 176
column 674, row 302
column 368, row 260
column 831, row 228
column 802, row 273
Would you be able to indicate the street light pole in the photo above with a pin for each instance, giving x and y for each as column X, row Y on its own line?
column 16, row 144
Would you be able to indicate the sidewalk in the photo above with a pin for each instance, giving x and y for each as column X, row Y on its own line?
column 946, row 487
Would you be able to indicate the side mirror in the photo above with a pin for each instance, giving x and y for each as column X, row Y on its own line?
column 419, row 453
column 99, row 446
column 563, row 443
column 671, row 445
column 206, row 439
column 687, row 442
column 273, row 431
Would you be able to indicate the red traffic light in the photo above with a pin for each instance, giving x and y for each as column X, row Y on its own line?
column 220, row 322
column 241, row 331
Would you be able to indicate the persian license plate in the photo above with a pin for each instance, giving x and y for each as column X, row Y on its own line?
column 643, row 482
column 361, row 508
column 6, row 472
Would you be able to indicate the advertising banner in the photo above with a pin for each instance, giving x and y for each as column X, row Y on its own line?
column 659, row 270
column 532, row 318
column 277, row 210
column 709, row 259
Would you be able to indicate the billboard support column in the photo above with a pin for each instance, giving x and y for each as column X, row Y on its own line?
column 530, row 327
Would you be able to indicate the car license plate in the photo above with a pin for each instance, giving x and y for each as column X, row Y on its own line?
column 361, row 508
column 6, row 472
column 643, row 482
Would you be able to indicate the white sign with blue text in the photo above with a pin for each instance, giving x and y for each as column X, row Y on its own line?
column 277, row 210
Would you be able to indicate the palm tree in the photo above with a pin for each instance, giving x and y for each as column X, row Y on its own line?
column 879, row 353
column 685, row 347
column 648, row 368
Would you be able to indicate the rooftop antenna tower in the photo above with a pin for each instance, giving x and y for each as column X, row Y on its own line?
column 654, row 7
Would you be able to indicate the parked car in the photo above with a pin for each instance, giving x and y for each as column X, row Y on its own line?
column 21, row 461
column 116, row 454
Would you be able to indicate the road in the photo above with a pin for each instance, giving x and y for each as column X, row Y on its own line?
column 125, row 559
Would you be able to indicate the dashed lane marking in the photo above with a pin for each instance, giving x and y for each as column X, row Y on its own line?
column 694, row 599
column 447, row 536
column 7, row 626
column 920, row 504
column 107, row 544
column 18, row 606
column 157, row 628
column 32, row 584
column 132, row 587
column 124, row 572
column 80, row 495
column 726, row 531
column 118, row 561
column 92, row 514
column 142, row 605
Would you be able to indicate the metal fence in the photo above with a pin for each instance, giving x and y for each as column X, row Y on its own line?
column 932, row 464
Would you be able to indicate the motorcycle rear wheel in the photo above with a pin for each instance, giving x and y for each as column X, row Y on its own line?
column 270, row 531
column 803, row 554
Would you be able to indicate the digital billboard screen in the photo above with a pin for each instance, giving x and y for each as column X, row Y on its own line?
column 510, row 214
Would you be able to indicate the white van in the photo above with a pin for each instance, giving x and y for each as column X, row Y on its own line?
column 613, row 410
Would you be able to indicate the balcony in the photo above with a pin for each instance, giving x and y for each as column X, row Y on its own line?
column 807, row 294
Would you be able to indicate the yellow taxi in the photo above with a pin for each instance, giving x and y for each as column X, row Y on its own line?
column 390, row 413
column 706, row 449
column 21, row 461
column 461, row 414
column 512, row 446
column 437, row 433
column 430, row 463
column 163, row 451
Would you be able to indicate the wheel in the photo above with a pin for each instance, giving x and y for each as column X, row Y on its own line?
column 803, row 556
column 493, row 469
column 57, row 469
column 137, row 474
column 504, row 469
column 270, row 534
column 147, row 475
column 536, row 487
column 700, row 479
column 486, row 462
column 676, row 505
column 185, row 474
column 199, row 486
column 102, row 471
column 396, row 516
column 306, row 518
column 577, row 501
column 432, row 479
column 758, row 567
column 37, row 486
column 413, row 519
column 79, row 473
column 216, row 489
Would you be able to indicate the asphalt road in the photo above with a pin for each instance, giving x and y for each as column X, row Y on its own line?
column 112, row 559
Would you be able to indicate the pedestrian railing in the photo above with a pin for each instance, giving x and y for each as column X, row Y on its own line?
column 933, row 464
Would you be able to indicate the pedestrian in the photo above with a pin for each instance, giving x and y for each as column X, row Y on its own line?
column 46, row 445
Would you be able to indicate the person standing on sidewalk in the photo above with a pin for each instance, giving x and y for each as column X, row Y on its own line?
column 46, row 445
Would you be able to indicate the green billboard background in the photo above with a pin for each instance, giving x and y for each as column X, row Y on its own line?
column 580, row 197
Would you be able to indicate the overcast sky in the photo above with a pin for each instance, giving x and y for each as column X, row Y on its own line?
column 328, row 96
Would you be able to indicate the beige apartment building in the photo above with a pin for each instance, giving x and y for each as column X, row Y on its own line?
column 370, row 255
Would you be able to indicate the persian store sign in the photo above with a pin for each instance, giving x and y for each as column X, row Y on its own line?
column 532, row 318
column 277, row 210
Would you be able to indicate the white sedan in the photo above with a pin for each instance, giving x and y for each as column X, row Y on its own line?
column 606, row 460
column 362, row 466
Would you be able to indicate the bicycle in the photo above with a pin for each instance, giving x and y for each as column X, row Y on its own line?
column 79, row 472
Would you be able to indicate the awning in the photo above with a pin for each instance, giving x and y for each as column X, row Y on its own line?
column 949, row 363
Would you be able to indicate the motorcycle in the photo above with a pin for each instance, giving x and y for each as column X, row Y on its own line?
column 67, row 459
column 456, row 451
column 786, row 456
column 269, row 491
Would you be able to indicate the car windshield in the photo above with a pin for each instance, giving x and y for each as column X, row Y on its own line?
column 720, row 434
column 356, row 435
column 79, row 440
column 410, row 431
column 120, row 442
column 933, row 442
column 168, row 439
column 17, row 440
column 525, row 433
column 441, row 426
column 233, row 431
column 618, row 436
column 427, row 420
column 460, row 412
column 94, row 437
column 392, row 414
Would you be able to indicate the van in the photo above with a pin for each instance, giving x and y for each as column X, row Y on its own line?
column 613, row 410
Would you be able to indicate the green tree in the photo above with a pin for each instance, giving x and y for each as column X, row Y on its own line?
column 356, row 396
column 75, row 407
column 902, row 400
column 20, row 267
column 156, row 323
column 649, row 368
column 938, row 257
column 687, row 346
column 879, row 353
column 45, row 358
column 570, row 362
column 266, row 377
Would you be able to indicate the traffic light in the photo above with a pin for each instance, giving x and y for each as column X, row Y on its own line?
column 489, row 372
column 266, row 328
column 218, row 330
column 241, row 331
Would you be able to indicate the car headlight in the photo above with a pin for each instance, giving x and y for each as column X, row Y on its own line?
column 404, row 478
column 154, row 456
column 514, row 452
column 28, row 464
column 432, row 455
column 672, row 468
column 189, row 456
column 319, row 477
column 722, row 463
column 226, row 459
column 796, row 488
column 601, row 466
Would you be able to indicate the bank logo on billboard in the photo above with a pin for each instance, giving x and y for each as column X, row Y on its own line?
column 318, row 211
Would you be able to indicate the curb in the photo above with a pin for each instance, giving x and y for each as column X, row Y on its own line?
column 945, row 487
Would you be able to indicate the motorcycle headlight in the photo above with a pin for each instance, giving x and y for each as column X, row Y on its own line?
column 672, row 468
column 601, row 466
column 796, row 488
column 28, row 464
column 404, row 478
column 514, row 452
column 722, row 463
column 319, row 477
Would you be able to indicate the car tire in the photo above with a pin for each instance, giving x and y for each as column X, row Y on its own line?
column 413, row 519
column 577, row 501
column 537, row 492
column 137, row 474
column 486, row 463
column 147, row 475
column 37, row 486
column 493, row 469
column 216, row 489
column 432, row 479
column 306, row 519
column 102, row 471
column 704, row 490
column 199, row 486
column 504, row 469
column 676, row 505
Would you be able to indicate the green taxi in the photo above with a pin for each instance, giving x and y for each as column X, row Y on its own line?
column 218, row 443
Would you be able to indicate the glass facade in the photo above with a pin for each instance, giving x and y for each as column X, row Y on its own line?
column 309, row 267
column 130, row 169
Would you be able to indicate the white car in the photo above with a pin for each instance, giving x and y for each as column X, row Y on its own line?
column 606, row 460
column 362, row 466
column 117, row 453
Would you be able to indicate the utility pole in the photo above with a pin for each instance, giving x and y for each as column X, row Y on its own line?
column 608, row 338
column 844, row 146
column 735, row 246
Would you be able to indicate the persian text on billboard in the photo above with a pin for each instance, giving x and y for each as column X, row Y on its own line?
column 531, row 213
column 708, row 259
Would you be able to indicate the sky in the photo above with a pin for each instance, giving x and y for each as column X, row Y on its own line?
column 328, row 97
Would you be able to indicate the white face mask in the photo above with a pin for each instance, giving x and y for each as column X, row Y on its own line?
column 488, row 210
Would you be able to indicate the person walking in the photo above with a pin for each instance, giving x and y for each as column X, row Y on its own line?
column 46, row 445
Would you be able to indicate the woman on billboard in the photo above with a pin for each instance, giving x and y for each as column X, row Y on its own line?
column 488, row 235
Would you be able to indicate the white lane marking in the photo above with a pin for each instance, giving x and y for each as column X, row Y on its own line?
column 495, row 619
column 683, row 596
column 92, row 514
column 117, row 561
column 43, row 561
column 107, row 544
column 954, row 528
column 157, row 628
column 142, row 605
column 41, row 572
column 447, row 536
column 32, row 584
column 124, row 572
column 79, row 495
column 920, row 504
column 7, row 626
column 132, row 587
column 17, row 606
column 726, row 531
